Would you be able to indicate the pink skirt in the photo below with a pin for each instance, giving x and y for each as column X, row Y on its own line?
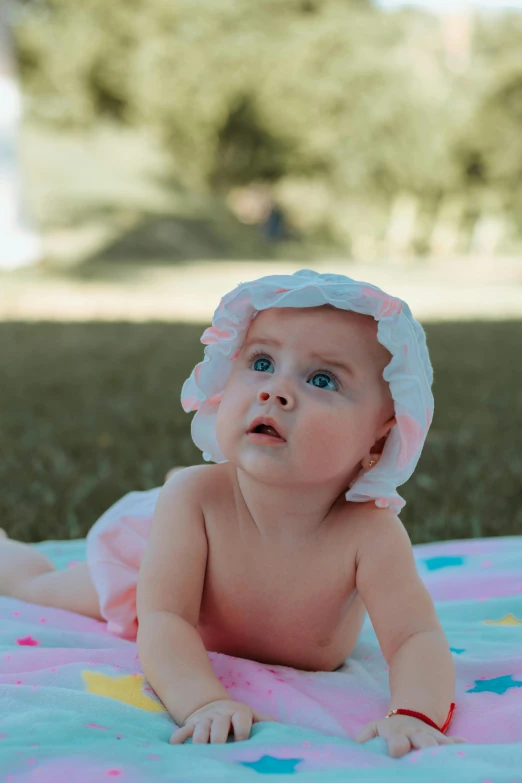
column 115, row 547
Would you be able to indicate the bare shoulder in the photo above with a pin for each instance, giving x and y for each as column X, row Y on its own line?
column 369, row 515
column 371, row 526
column 196, row 481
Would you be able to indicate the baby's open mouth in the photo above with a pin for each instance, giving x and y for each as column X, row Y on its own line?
column 265, row 429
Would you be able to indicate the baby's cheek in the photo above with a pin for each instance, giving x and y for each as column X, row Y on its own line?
column 321, row 442
column 232, row 416
column 224, row 425
column 329, row 441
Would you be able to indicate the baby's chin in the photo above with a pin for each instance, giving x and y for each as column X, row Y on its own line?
column 264, row 465
column 280, row 470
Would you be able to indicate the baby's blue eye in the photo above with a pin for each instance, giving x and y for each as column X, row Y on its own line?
column 323, row 385
column 261, row 363
column 264, row 362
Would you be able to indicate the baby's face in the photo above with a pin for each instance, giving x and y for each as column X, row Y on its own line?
column 317, row 372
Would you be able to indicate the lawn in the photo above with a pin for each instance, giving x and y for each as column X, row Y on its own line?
column 91, row 411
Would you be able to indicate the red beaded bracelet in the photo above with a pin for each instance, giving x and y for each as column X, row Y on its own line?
column 427, row 720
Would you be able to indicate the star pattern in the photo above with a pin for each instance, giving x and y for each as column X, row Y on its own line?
column 126, row 689
column 435, row 563
column 508, row 619
column 27, row 641
column 271, row 765
column 496, row 685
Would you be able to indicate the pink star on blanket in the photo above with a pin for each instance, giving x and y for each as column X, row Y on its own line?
column 28, row 641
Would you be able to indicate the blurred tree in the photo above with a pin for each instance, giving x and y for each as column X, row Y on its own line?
column 490, row 147
column 497, row 142
column 332, row 97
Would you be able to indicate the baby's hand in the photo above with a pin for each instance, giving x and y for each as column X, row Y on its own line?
column 211, row 723
column 404, row 733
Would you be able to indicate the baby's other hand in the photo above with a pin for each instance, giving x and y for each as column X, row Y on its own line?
column 404, row 733
column 213, row 722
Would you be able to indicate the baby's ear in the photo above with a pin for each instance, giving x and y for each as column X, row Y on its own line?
column 387, row 427
column 382, row 435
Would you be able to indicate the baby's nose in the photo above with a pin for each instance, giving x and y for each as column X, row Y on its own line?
column 264, row 396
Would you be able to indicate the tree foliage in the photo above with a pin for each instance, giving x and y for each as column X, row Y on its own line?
column 332, row 94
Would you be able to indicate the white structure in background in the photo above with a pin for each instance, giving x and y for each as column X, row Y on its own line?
column 20, row 245
column 445, row 6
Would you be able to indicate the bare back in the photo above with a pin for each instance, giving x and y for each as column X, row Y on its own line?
column 296, row 606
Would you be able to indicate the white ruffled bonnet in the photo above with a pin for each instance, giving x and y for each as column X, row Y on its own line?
column 409, row 373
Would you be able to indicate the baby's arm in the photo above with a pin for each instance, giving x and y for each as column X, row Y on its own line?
column 422, row 672
column 170, row 587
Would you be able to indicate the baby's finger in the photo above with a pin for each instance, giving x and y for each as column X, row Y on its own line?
column 259, row 717
column 398, row 745
column 220, row 729
column 421, row 739
column 202, row 731
column 457, row 739
column 443, row 740
column 182, row 734
column 368, row 732
column 242, row 723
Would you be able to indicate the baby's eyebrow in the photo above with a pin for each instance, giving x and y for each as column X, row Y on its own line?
column 332, row 362
column 336, row 363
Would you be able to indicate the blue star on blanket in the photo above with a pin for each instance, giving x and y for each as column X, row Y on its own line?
column 270, row 765
column 434, row 563
column 496, row 684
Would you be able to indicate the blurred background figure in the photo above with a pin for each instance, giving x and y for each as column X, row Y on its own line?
column 19, row 243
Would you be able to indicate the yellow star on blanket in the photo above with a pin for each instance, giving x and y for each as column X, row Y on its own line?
column 509, row 619
column 126, row 689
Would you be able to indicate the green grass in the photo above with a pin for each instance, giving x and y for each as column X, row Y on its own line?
column 91, row 411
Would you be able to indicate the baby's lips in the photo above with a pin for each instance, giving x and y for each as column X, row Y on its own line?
column 268, row 422
column 273, row 434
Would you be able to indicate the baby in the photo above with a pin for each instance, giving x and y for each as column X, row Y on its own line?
column 313, row 401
